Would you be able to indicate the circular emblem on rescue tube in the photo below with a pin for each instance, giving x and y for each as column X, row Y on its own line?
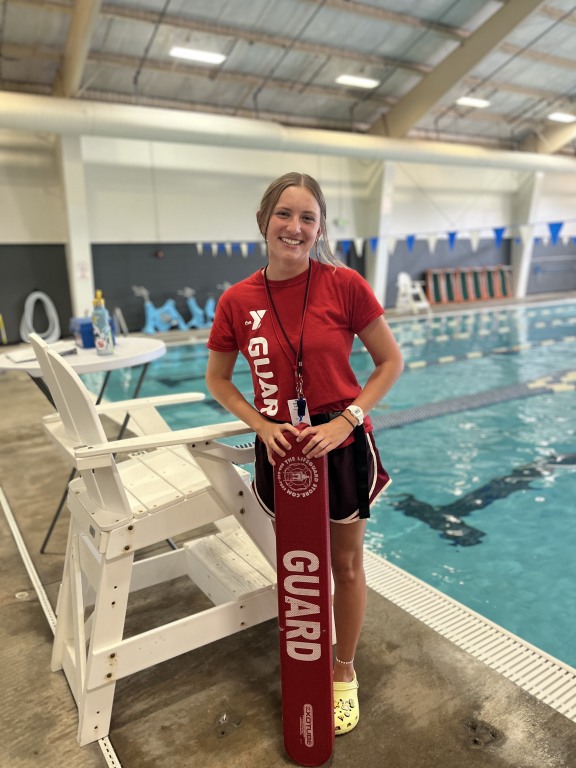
column 298, row 477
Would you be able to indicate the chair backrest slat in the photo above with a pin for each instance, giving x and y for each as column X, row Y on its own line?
column 104, row 485
column 41, row 348
column 77, row 400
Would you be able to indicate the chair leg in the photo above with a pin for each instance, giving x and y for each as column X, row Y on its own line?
column 64, row 624
column 104, row 628
column 97, row 696
column 95, row 715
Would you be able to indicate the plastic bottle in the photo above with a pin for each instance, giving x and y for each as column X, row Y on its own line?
column 103, row 338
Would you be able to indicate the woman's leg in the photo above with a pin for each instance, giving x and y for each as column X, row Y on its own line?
column 347, row 550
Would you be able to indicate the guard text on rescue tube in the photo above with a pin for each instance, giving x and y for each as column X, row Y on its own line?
column 302, row 632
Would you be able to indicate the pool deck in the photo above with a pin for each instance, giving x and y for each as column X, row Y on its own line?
column 426, row 702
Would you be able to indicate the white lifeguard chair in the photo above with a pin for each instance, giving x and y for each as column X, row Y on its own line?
column 132, row 494
column 411, row 294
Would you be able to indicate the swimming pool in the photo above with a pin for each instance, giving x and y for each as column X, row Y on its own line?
column 479, row 438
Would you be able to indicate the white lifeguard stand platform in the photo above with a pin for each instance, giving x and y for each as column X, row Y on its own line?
column 411, row 294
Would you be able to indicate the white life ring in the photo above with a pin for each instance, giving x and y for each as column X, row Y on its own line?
column 52, row 333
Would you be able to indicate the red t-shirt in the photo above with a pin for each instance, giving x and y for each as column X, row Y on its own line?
column 340, row 305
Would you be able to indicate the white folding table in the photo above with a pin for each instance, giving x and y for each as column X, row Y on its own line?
column 129, row 352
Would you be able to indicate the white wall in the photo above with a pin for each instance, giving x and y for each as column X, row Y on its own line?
column 150, row 191
column 31, row 201
column 141, row 191
column 558, row 202
column 433, row 199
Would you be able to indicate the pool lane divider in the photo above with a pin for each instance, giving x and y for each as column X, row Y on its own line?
column 564, row 381
column 463, row 335
column 513, row 350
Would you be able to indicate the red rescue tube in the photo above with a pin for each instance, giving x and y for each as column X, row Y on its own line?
column 304, row 605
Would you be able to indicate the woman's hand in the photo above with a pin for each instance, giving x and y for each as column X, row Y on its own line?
column 272, row 435
column 325, row 437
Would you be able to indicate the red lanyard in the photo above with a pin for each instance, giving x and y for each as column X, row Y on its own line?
column 297, row 364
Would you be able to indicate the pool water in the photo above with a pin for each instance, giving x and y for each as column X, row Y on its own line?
column 483, row 501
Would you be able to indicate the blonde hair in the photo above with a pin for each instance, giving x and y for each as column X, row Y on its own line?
column 269, row 201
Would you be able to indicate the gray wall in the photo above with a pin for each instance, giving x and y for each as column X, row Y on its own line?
column 419, row 259
column 118, row 267
column 553, row 268
column 28, row 268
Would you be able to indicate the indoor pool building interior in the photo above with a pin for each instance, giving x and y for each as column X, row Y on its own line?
column 139, row 622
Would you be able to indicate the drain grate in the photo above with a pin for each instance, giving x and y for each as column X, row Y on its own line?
column 546, row 678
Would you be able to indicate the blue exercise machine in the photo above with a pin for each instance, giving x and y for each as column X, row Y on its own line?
column 200, row 318
column 159, row 318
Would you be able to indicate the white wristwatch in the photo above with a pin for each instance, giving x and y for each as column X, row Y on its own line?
column 357, row 412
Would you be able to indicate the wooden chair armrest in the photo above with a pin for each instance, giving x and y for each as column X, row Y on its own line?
column 151, row 402
column 141, row 403
column 93, row 456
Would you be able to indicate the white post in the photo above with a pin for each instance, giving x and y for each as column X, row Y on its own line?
column 377, row 264
column 525, row 206
column 78, row 247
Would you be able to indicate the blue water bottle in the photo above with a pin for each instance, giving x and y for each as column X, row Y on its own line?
column 103, row 338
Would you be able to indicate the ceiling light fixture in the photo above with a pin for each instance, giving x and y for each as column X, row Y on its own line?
column 190, row 54
column 357, row 82
column 562, row 117
column 471, row 101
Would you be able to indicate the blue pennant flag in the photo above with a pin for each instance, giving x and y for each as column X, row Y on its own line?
column 346, row 245
column 499, row 235
column 410, row 240
column 555, row 228
column 452, row 239
column 374, row 243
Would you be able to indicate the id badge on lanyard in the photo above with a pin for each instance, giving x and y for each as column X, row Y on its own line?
column 299, row 411
column 299, row 407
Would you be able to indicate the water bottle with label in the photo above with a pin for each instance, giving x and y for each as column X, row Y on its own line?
column 103, row 338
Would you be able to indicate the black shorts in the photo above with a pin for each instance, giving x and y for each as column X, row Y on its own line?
column 342, row 487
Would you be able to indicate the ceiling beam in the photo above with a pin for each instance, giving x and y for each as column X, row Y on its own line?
column 239, row 78
column 274, row 41
column 54, row 6
column 557, row 14
column 29, row 52
column 540, row 56
column 488, row 86
column 131, row 14
column 23, row 52
column 398, row 121
column 69, row 76
column 395, row 17
column 550, row 140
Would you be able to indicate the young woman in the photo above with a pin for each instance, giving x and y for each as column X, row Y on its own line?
column 294, row 321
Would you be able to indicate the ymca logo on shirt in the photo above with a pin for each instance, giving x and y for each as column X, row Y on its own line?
column 257, row 317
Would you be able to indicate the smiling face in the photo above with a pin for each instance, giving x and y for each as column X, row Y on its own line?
column 292, row 230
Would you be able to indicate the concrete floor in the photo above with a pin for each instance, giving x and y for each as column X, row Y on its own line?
column 425, row 703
